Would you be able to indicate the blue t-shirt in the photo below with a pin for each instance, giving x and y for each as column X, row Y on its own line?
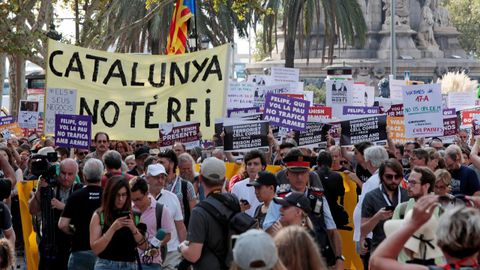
column 464, row 181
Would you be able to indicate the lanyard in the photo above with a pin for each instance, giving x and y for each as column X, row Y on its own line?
column 174, row 184
column 387, row 200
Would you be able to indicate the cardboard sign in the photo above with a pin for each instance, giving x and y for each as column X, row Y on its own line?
column 369, row 129
column 240, row 95
column 28, row 114
column 356, row 110
column 311, row 137
column 187, row 133
column 291, row 113
column 396, row 130
column 245, row 136
column 73, row 131
column 423, row 110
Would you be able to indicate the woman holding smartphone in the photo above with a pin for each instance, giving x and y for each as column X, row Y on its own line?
column 114, row 236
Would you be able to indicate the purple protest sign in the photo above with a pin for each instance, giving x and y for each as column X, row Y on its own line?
column 449, row 112
column 6, row 120
column 282, row 111
column 395, row 110
column 359, row 110
column 450, row 126
column 73, row 131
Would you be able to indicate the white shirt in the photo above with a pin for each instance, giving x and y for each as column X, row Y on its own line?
column 171, row 202
column 372, row 183
column 244, row 192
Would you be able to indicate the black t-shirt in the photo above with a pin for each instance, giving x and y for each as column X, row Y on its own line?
column 464, row 181
column 5, row 217
column 79, row 208
column 362, row 174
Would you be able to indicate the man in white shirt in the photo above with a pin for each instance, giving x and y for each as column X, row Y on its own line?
column 156, row 177
column 254, row 162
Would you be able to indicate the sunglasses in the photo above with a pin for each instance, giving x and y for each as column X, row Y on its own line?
column 390, row 177
column 449, row 201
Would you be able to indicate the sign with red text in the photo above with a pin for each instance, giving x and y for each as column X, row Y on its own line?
column 188, row 133
column 423, row 110
column 319, row 112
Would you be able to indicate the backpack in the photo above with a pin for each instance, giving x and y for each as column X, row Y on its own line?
column 233, row 222
column 186, row 203
column 339, row 214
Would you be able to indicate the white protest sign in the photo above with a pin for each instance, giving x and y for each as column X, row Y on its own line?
column 461, row 100
column 308, row 95
column 59, row 101
column 339, row 93
column 261, row 92
column 240, row 95
column 363, row 95
column 396, row 89
column 283, row 74
column 28, row 114
column 423, row 110
column 260, row 79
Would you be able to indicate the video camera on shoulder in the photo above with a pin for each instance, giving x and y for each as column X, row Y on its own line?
column 43, row 166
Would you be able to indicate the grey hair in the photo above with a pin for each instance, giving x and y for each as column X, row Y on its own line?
column 453, row 151
column 376, row 155
column 184, row 157
column 458, row 230
column 93, row 170
column 130, row 157
column 69, row 161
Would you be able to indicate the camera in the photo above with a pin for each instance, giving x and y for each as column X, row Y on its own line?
column 41, row 166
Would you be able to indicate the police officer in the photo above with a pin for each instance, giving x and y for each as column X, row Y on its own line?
column 298, row 172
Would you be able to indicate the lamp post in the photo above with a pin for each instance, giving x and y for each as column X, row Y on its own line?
column 393, row 39
column 192, row 42
column 204, row 43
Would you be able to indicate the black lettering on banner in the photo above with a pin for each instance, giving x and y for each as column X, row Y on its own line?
column 120, row 74
column 189, row 110
column 210, row 69
column 85, row 109
column 78, row 68
column 175, row 70
column 207, row 112
column 162, row 75
column 96, row 63
column 149, row 114
column 173, row 111
column 50, row 63
column 133, row 115
column 133, row 81
column 199, row 68
column 115, row 117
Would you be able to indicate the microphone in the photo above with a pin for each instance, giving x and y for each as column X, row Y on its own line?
column 157, row 240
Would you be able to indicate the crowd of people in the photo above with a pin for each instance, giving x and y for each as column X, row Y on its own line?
column 134, row 205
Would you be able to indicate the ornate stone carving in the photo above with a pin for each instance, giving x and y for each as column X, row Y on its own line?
column 425, row 36
column 440, row 15
column 402, row 13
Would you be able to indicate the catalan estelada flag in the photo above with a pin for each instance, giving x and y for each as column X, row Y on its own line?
column 177, row 39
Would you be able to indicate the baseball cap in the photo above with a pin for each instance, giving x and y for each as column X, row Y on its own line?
column 296, row 199
column 45, row 150
column 264, row 178
column 155, row 170
column 295, row 161
column 141, row 152
column 255, row 250
column 213, row 169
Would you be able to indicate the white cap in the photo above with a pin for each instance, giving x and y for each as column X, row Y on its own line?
column 155, row 170
column 213, row 169
column 255, row 250
column 45, row 150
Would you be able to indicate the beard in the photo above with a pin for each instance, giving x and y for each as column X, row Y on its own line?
column 391, row 187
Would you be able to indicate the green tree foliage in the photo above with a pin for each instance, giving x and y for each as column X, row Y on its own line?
column 465, row 15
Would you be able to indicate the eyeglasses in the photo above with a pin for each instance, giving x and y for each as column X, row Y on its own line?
column 413, row 183
column 390, row 177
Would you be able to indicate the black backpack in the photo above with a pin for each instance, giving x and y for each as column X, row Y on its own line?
column 233, row 222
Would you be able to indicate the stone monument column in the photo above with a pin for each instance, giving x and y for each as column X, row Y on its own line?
column 445, row 33
column 405, row 45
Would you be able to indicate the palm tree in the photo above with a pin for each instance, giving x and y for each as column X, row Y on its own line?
column 343, row 23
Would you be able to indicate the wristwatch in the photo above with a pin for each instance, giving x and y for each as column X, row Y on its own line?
column 340, row 258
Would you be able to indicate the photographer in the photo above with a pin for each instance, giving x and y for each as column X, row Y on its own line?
column 49, row 200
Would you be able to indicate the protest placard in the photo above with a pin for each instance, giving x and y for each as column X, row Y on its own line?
column 5, row 120
column 308, row 95
column 261, row 92
column 260, row 79
column 357, row 110
column 339, row 94
column 283, row 74
column 291, row 113
column 73, row 131
column 319, row 112
column 245, row 136
column 312, row 135
column 28, row 114
column 59, row 101
column 362, row 95
column 461, row 100
column 467, row 116
column 396, row 88
column 128, row 95
column 396, row 129
column 476, row 125
column 449, row 112
column 188, row 133
column 369, row 129
column 396, row 110
column 240, row 95
column 235, row 113
column 423, row 110
column 450, row 126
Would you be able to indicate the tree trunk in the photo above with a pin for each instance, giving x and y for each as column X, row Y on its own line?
column 17, row 82
column 3, row 70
